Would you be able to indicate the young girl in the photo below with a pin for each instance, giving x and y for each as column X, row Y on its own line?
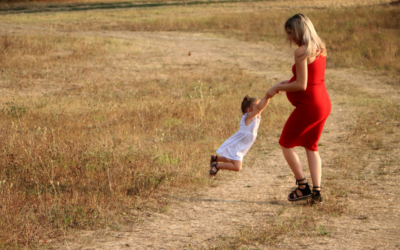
column 233, row 150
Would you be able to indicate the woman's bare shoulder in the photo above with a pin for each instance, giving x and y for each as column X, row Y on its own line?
column 300, row 51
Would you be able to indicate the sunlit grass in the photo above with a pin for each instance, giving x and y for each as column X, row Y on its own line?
column 361, row 37
column 94, row 130
column 94, row 141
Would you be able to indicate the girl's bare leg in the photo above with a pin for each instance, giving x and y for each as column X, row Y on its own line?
column 225, row 163
column 294, row 163
column 232, row 165
column 314, row 164
column 221, row 159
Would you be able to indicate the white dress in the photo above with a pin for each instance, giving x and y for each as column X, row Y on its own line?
column 236, row 147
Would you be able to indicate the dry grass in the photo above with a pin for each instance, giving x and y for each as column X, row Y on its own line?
column 81, row 129
column 272, row 229
column 93, row 132
column 365, row 37
column 362, row 37
column 38, row 6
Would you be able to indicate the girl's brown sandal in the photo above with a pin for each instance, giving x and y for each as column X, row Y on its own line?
column 212, row 159
column 212, row 172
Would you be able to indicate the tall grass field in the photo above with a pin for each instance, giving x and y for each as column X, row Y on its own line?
column 90, row 133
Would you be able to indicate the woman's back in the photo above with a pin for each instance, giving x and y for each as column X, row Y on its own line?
column 315, row 72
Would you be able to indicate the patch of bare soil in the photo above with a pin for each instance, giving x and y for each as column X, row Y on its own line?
column 199, row 220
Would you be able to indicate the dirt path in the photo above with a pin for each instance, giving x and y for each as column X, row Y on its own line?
column 200, row 220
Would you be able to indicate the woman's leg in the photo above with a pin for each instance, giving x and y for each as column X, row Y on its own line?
column 314, row 164
column 294, row 163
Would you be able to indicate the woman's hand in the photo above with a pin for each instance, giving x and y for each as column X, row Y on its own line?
column 272, row 92
column 275, row 89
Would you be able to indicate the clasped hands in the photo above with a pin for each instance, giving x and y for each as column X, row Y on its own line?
column 274, row 90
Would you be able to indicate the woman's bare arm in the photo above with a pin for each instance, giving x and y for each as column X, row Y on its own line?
column 301, row 76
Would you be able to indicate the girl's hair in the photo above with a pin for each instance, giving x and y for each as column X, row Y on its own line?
column 305, row 33
column 247, row 102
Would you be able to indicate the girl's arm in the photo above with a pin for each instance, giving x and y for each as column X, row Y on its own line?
column 257, row 109
column 301, row 76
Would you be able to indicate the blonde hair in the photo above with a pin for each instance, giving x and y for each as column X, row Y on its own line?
column 305, row 33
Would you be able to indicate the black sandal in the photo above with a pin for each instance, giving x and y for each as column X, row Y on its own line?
column 214, row 173
column 306, row 192
column 316, row 195
column 212, row 160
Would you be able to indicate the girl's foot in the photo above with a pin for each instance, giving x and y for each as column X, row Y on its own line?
column 214, row 158
column 214, row 169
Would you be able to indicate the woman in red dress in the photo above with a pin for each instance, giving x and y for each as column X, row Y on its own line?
column 307, row 92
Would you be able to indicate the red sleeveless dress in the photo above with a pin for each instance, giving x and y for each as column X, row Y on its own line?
column 313, row 106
